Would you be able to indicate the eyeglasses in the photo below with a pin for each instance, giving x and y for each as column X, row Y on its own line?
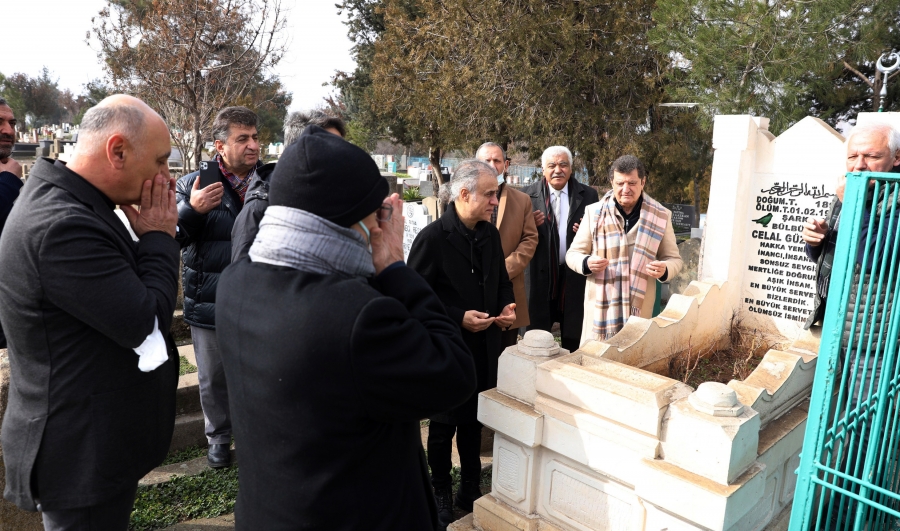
column 384, row 213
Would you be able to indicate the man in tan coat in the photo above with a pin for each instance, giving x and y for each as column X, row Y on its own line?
column 624, row 244
column 518, row 234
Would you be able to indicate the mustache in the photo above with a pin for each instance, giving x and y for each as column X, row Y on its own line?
column 8, row 138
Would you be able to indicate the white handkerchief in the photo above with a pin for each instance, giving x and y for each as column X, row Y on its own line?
column 152, row 353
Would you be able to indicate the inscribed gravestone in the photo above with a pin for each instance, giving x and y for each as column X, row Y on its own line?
column 684, row 217
column 781, row 279
column 417, row 217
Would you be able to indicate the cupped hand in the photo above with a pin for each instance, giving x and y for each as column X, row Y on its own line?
column 387, row 237
column 159, row 210
column 507, row 317
column 475, row 321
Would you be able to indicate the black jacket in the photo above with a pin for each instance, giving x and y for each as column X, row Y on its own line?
column 256, row 201
column 539, row 270
column 206, row 243
column 442, row 254
column 9, row 191
column 327, row 379
column 82, row 423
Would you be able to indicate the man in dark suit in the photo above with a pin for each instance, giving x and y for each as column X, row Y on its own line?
column 88, row 415
column 10, row 171
column 556, row 294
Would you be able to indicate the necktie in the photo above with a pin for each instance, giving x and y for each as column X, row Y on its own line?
column 555, row 205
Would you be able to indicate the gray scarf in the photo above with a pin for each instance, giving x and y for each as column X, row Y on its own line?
column 300, row 240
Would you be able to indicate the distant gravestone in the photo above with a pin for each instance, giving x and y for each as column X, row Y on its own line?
column 417, row 217
column 684, row 217
column 426, row 189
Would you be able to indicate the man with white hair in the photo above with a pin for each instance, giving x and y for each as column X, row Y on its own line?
column 556, row 293
column 461, row 256
column 875, row 148
column 872, row 147
column 87, row 310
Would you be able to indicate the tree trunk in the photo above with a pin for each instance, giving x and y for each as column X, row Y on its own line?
column 434, row 157
column 198, row 142
column 593, row 179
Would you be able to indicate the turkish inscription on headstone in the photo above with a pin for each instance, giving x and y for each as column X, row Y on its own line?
column 417, row 217
column 684, row 217
column 780, row 280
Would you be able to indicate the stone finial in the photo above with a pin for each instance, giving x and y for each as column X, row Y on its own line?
column 716, row 399
column 538, row 343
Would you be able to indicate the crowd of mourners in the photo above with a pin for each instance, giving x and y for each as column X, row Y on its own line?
column 319, row 349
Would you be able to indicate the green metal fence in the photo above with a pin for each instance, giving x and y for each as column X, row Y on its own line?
column 849, row 477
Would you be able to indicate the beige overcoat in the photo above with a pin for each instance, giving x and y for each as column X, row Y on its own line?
column 519, row 239
column 583, row 246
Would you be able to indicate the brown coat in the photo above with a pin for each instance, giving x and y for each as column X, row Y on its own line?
column 583, row 246
column 519, row 239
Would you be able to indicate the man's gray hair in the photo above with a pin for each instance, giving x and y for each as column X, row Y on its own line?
column 490, row 144
column 229, row 116
column 3, row 102
column 555, row 150
column 884, row 128
column 101, row 121
column 466, row 176
column 296, row 122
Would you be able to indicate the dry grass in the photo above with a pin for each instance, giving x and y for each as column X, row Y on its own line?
column 694, row 366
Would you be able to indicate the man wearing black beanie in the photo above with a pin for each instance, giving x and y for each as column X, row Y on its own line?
column 333, row 350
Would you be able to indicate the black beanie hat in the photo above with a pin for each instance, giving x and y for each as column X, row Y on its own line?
column 325, row 175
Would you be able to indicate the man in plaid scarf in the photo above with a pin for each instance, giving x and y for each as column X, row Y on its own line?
column 205, row 219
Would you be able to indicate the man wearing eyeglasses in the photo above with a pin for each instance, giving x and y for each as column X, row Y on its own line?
column 334, row 349
column 556, row 293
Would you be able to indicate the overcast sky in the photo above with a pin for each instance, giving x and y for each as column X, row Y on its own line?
column 52, row 33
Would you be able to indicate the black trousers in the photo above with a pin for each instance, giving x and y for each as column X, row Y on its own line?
column 440, row 448
column 509, row 338
column 111, row 515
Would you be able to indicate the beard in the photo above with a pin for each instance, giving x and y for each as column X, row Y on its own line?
column 5, row 151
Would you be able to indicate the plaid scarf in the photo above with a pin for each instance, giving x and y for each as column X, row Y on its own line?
column 237, row 184
column 621, row 289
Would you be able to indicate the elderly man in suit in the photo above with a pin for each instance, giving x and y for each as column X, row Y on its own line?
column 518, row 234
column 556, row 293
column 87, row 310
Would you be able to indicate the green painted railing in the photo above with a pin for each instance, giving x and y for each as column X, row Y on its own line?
column 849, row 477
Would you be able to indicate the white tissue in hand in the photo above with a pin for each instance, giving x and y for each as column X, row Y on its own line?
column 153, row 352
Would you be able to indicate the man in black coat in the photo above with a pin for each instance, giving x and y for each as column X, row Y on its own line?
column 87, row 416
column 461, row 256
column 556, row 294
column 10, row 171
column 206, row 217
column 257, row 199
column 334, row 350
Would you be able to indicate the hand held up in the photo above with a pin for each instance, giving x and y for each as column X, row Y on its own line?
column 387, row 238
column 814, row 230
column 158, row 212
column 205, row 199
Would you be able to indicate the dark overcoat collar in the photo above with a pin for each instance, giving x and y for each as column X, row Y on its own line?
column 449, row 223
column 47, row 170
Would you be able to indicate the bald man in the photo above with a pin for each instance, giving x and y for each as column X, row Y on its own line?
column 88, row 416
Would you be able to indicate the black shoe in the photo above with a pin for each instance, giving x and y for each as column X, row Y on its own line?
column 442, row 496
column 468, row 492
column 219, row 455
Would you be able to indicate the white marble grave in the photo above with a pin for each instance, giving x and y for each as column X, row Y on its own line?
column 599, row 439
